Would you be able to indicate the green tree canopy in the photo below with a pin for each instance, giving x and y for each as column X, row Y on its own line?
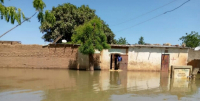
column 191, row 40
column 121, row 41
column 91, row 36
column 11, row 13
column 141, row 41
column 67, row 18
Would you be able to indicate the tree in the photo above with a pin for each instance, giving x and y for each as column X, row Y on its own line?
column 109, row 34
column 121, row 41
column 12, row 13
column 141, row 41
column 91, row 36
column 191, row 40
column 68, row 17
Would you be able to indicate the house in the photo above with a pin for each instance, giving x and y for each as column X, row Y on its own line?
column 143, row 57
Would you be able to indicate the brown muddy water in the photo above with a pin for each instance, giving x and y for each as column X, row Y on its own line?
column 71, row 85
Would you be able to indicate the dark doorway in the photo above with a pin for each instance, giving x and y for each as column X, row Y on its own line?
column 116, row 66
column 165, row 62
column 111, row 59
column 114, row 62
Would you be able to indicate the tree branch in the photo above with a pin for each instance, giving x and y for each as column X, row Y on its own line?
column 18, row 24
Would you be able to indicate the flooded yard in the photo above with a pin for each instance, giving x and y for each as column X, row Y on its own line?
column 71, row 85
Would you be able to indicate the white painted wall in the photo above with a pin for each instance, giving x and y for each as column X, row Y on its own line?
column 146, row 58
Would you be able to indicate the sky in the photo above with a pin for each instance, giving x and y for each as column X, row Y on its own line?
column 129, row 19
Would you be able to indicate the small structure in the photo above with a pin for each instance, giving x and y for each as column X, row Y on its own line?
column 144, row 57
column 182, row 72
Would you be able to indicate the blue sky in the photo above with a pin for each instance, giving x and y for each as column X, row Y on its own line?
column 167, row 28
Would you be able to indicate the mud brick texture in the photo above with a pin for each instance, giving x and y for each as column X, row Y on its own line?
column 37, row 56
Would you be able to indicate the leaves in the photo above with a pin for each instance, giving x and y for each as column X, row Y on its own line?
column 11, row 13
column 67, row 18
column 121, row 41
column 90, row 35
column 109, row 34
column 141, row 41
column 39, row 5
column 1, row 1
column 191, row 40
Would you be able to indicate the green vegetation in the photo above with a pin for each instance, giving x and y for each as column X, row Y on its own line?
column 91, row 36
column 67, row 18
column 141, row 41
column 121, row 41
column 191, row 40
column 11, row 13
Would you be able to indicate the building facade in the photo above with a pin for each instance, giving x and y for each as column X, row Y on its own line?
column 144, row 57
column 67, row 56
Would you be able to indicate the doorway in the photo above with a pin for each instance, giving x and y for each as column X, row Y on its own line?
column 114, row 62
column 165, row 62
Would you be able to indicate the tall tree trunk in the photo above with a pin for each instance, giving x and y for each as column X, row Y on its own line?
column 18, row 25
column 91, row 62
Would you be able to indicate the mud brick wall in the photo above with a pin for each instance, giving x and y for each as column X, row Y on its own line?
column 194, row 58
column 36, row 56
column 10, row 42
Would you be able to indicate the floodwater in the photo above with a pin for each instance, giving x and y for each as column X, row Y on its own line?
column 71, row 85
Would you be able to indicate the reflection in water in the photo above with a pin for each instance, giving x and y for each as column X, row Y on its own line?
column 70, row 85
